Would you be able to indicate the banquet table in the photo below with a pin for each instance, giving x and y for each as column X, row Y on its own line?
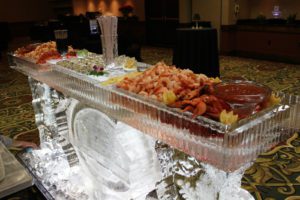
column 87, row 90
column 197, row 49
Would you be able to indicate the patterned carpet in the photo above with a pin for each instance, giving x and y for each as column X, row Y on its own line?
column 16, row 113
column 274, row 175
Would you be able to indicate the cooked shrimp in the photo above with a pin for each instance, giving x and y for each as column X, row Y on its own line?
column 192, row 91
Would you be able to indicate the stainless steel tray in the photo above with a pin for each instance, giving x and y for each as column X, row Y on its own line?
column 15, row 177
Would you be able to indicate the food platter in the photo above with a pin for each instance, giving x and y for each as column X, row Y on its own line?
column 225, row 146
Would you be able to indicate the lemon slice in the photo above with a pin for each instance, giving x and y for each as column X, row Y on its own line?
column 274, row 100
column 169, row 97
column 117, row 79
column 130, row 64
column 228, row 117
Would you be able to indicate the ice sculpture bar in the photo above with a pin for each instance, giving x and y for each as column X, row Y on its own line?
column 124, row 135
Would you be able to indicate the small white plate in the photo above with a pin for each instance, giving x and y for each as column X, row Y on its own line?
column 130, row 69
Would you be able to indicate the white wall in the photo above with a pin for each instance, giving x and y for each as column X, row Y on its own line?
column 185, row 7
column 228, row 14
column 245, row 8
column 265, row 7
column 209, row 10
column 109, row 6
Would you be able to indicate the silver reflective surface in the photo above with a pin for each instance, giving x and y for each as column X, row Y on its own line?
column 13, row 176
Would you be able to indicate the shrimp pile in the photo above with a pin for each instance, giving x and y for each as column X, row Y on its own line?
column 191, row 92
column 41, row 49
column 25, row 50
column 41, row 53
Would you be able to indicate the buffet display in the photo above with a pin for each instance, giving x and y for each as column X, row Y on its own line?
column 85, row 64
column 188, row 93
column 223, row 125
column 41, row 53
column 224, row 102
column 177, row 88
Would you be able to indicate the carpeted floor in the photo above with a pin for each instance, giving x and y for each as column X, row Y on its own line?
column 275, row 175
column 16, row 113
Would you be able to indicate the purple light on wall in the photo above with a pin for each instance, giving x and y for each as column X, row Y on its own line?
column 276, row 12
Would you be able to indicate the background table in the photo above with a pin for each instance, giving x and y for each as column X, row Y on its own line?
column 197, row 49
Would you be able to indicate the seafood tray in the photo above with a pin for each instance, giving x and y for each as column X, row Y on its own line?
column 27, row 63
column 227, row 147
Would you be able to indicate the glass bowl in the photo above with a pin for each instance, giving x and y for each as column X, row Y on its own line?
column 244, row 97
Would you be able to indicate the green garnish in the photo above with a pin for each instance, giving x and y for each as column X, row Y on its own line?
column 100, row 73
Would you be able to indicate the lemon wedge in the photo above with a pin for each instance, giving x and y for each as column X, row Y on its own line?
column 273, row 100
column 130, row 64
column 215, row 80
column 228, row 117
column 169, row 97
column 117, row 79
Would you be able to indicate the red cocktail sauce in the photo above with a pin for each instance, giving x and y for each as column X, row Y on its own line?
column 244, row 97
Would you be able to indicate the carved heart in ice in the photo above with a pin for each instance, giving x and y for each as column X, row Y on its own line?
column 120, row 160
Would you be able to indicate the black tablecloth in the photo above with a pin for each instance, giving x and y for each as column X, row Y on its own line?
column 197, row 49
